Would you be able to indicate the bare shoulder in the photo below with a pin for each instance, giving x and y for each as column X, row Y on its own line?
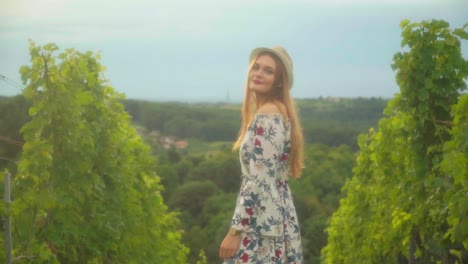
column 269, row 108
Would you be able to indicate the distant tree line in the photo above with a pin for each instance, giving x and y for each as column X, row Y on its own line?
column 329, row 121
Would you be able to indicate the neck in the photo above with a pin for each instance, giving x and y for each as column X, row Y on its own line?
column 261, row 99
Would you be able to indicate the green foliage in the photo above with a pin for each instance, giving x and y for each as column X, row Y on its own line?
column 408, row 194
column 86, row 190
column 14, row 114
column 330, row 121
column 226, row 164
column 205, row 209
column 455, row 165
column 201, row 258
column 317, row 193
column 204, row 122
column 338, row 121
column 190, row 197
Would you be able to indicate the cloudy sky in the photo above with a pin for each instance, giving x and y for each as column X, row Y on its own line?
column 197, row 50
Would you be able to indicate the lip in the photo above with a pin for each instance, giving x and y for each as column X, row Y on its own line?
column 257, row 82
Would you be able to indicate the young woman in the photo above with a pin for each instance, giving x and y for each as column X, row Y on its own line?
column 265, row 228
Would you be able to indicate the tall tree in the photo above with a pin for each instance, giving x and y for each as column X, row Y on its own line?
column 86, row 190
column 408, row 197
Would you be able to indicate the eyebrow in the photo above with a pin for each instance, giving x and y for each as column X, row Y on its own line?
column 267, row 67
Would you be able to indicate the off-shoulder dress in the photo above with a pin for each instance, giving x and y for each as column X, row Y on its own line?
column 265, row 211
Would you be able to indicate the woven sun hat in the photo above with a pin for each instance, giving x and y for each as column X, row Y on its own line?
column 282, row 55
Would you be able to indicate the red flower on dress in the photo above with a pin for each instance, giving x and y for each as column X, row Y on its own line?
column 245, row 257
column 245, row 221
column 245, row 241
column 249, row 211
column 260, row 131
column 257, row 142
column 284, row 157
column 278, row 253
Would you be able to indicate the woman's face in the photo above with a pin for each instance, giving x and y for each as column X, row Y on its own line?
column 262, row 74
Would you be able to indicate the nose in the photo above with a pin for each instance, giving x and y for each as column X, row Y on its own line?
column 256, row 72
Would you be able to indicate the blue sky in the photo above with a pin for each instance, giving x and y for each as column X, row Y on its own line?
column 198, row 50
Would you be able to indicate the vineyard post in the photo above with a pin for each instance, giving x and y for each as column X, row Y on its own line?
column 412, row 250
column 7, row 199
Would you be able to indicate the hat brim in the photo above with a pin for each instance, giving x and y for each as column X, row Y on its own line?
column 285, row 61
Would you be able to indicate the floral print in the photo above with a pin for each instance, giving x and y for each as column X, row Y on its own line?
column 265, row 212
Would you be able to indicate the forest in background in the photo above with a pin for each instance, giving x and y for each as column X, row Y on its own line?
column 329, row 121
column 201, row 179
column 95, row 182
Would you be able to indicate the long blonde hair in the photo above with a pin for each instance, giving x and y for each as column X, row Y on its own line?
column 281, row 97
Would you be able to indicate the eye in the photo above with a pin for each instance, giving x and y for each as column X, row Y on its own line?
column 255, row 67
column 269, row 71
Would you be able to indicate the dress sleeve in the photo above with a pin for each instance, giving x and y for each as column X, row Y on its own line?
column 258, row 207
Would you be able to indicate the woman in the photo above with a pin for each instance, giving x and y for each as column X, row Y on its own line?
column 265, row 228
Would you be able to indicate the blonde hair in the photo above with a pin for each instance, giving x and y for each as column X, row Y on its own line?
column 283, row 100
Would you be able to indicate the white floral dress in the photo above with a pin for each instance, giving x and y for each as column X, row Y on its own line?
column 265, row 212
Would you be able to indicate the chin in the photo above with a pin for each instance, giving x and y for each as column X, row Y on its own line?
column 253, row 88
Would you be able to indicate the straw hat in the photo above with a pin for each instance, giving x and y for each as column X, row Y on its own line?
column 282, row 55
